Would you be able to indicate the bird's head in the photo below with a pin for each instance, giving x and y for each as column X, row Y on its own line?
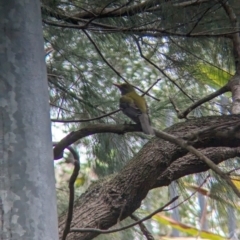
column 124, row 88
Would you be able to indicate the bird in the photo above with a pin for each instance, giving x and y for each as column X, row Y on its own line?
column 135, row 107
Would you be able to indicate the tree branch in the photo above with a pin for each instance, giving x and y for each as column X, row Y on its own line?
column 202, row 100
column 90, row 130
column 128, row 226
column 157, row 164
column 85, row 120
column 201, row 156
column 71, row 191
column 143, row 228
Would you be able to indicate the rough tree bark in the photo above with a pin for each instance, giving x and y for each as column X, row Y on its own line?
column 157, row 164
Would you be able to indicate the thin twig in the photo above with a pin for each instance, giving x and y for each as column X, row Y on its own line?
column 143, row 228
column 143, row 92
column 85, row 120
column 62, row 108
column 203, row 60
column 201, row 17
column 110, row 65
column 74, row 96
column 186, row 199
column 96, row 16
column 147, row 32
column 203, row 100
column 126, row 227
column 159, row 69
column 190, row 3
column 154, row 32
column 233, row 170
column 121, row 7
column 101, row 55
column 174, row 105
column 71, row 192
column 146, row 92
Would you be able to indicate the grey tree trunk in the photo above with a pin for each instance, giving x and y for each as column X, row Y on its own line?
column 27, row 191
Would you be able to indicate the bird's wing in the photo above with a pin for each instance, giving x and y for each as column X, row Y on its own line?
column 129, row 108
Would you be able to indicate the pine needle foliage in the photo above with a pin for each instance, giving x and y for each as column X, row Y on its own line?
column 181, row 46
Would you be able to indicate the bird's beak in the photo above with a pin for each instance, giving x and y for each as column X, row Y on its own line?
column 117, row 85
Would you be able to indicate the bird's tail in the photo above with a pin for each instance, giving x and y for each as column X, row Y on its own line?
column 145, row 124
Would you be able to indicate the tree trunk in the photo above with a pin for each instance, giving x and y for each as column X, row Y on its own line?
column 27, row 195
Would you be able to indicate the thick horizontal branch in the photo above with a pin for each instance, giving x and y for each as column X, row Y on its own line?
column 157, row 164
column 90, row 130
column 125, row 10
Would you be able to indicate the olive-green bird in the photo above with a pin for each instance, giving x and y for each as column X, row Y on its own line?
column 135, row 107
